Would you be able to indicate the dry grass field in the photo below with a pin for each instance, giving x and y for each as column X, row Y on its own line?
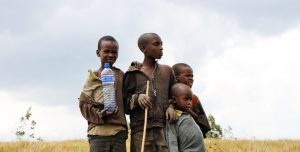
column 215, row 145
column 60, row 146
column 212, row 145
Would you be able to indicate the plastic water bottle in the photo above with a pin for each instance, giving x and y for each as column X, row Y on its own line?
column 108, row 82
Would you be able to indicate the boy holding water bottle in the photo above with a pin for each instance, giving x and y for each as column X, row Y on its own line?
column 107, row 129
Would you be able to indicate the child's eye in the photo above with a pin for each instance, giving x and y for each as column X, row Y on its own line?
column 110, row 51
column 157, row 43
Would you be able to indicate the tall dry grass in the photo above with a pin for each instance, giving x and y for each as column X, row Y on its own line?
column 60, row 146
column 212, row 145
column 217, row 145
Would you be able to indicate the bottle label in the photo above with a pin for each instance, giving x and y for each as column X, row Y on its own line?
column 108, row 78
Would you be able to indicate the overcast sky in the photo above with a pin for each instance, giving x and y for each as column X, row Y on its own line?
column 245, row 56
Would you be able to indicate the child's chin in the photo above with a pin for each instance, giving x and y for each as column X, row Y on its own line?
column 110, row 62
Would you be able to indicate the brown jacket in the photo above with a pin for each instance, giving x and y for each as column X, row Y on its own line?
column 159, row 88
column 91, row 101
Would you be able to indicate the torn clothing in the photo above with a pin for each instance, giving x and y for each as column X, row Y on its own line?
column 91, row 106
column 135, row 82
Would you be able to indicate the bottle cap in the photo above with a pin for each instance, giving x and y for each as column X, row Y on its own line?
column 106, row 65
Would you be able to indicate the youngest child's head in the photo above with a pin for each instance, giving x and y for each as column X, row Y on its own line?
column 182, row 96
column 183, row 73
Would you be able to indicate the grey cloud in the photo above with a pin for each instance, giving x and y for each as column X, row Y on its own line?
column 268, row 16
column 24, row 16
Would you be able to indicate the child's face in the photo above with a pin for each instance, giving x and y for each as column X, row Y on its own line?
column 154, row 48
column 186, row 76
column 183, row 100
column 109, row 52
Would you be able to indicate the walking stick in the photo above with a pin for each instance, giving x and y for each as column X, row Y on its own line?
column 145, row 119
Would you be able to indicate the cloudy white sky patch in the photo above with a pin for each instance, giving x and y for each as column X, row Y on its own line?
column 255, row 84
column 51, row 119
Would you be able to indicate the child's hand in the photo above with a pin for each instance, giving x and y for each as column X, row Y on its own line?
column 104, row 113
column 144, row 101
column 171, row 114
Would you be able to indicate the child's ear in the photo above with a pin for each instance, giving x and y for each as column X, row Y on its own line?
column 174, row 99
column 143, row 49
column 98, row 53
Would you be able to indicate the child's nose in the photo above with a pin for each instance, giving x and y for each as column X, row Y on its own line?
column 110, row 54
column 161, row 48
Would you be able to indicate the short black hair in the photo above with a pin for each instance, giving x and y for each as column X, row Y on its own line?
column 106, row 38
column 176, row 67
column 144, row 40
column 179, row 87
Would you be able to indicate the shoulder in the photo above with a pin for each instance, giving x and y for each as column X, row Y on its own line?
column 118, row 71
column 93, row 74
column 196, row 97
column 185, row 119
column 134, row 68
column 195, row 100
column 91, row 79
column 164, row 66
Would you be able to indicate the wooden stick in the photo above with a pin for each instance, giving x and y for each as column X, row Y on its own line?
column 145, row 119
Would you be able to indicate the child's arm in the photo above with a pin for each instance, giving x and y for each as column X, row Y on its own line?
column 199, row 116
column 92, row 111
column 171, row 114
column 130, row 95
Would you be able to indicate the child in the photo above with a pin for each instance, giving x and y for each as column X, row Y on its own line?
column 185, row 135
column 161, row 79
column 184, row 74
column 107, row 131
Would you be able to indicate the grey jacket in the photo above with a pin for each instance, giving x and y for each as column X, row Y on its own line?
column 185, row 135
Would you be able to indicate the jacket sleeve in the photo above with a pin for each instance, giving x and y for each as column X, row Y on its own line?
column 90, row 110
column 200, row 117
column 130, row 96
